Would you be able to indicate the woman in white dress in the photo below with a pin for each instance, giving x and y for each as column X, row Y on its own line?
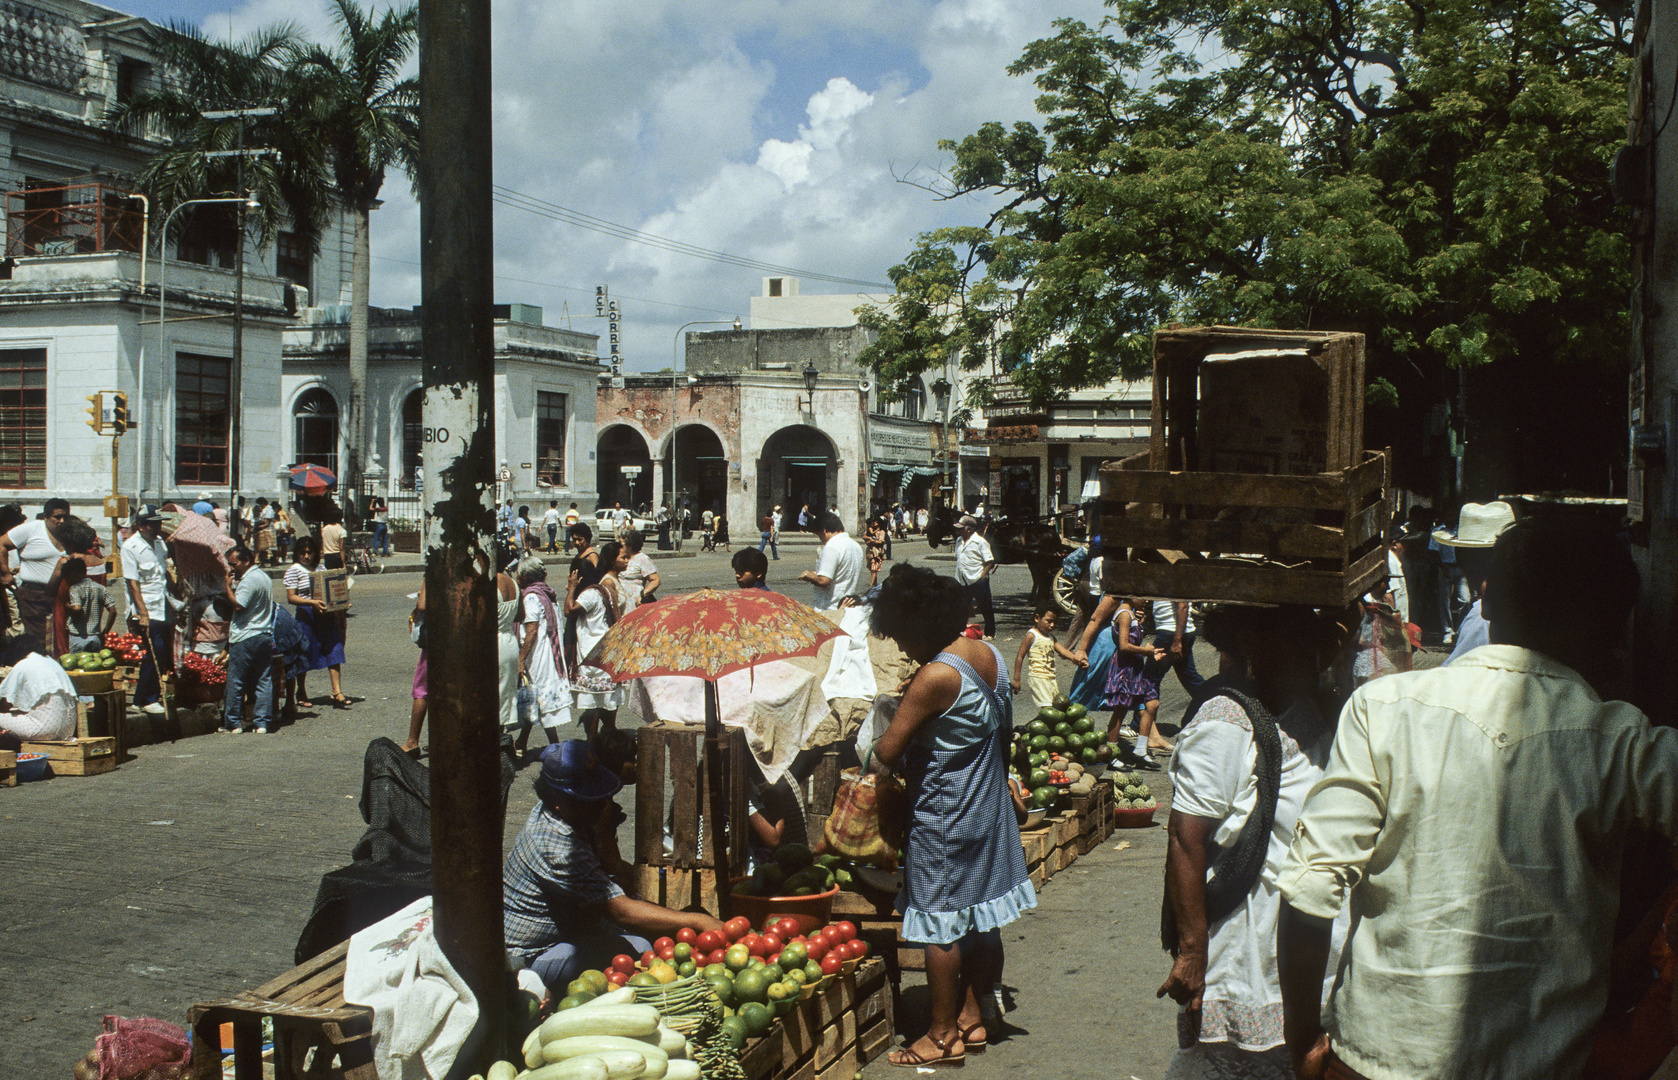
column 1221, row 894
column 592, row 604
column 541, row 650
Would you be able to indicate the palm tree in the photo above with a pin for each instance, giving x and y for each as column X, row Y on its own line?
column 366, row 117
column 202, row 76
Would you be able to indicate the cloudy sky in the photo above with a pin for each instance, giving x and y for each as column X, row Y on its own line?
column 773, row 130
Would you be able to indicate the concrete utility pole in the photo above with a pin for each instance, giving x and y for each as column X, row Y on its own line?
column 457, row 275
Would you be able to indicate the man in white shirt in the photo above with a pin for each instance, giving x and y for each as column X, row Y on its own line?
column 1174, row 632
column 550, row 520
column 620, row 520
column 1473, row 817
column 839, row 572
column 974, row 564
column 145, row 563
column 250, row 645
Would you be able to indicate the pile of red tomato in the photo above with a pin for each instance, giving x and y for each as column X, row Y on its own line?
column 205, row 668
column 737, row 942
column 129, row 648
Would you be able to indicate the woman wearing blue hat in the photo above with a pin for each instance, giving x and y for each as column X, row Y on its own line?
column 562, row 913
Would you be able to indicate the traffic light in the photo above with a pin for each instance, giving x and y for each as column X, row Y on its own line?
column 119, row 413
column 96, row 414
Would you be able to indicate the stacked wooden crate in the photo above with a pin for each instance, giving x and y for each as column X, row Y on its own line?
column 76, row 757
column 8, row 768
column 696, row 872
column 830, row 1036
column 1256, row 487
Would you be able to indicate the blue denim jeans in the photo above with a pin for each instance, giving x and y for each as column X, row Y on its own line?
column 159, row 642
column 250, row 667
column 769, row 540
column 381, row 537
column 1186, row 673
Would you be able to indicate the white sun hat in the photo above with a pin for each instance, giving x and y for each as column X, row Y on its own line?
column 1478, row 525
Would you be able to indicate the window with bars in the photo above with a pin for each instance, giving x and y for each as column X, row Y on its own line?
column 293, row 260
column 550, row 437
column 23, row 418
column 413, row 437
column 315, row 429
column 202, row 410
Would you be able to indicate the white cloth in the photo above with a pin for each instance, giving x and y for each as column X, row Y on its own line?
column 776, row 703
column 38, row 553
column 549, row 680
column 971, row 556
column 39, row 687
column 423, row 1011
column 148, row 565
column 1471, row 818
column 1395, row 583
column 850, row 674
column 634, row 580
column 843, row 565
column 1212, row 776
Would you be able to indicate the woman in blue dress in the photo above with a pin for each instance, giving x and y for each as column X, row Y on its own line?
column 964, row 869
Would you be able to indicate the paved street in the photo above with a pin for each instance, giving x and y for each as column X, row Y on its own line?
column 187, row 874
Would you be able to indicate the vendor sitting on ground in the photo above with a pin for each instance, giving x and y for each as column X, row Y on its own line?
column 562, row 914
column 37, row 701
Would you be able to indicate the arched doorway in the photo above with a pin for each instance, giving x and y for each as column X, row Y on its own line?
column 618, row 447
column 798, row 466
column 700, row 481
column 315, row 428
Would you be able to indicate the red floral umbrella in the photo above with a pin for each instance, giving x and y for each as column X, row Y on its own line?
column 709, row 633
column 312, row 479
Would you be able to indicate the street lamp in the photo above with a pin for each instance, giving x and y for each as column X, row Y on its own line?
column 676, row 361
column 807, row 405
column 941, row 396
column 251, row 203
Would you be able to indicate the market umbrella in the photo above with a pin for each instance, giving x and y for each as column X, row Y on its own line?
column 705, row 635
column 709, row 633
column 312, row 479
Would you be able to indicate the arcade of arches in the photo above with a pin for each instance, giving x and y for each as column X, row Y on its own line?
column 797, row 466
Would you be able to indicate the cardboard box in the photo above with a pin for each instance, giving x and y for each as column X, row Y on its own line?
column 332, row 586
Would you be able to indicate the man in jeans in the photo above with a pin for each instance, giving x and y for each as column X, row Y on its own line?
column 250, row 644
column 769, row 538
column 1174, row 632
column 974, row 563
column 145, row 561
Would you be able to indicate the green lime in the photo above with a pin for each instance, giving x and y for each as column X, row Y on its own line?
column 686, row 968
column 723, row 987
column 812, row 971
column 572, row 1002
column 751, row 985
column 757, row 1017
column 793, row 955
column 644, row 979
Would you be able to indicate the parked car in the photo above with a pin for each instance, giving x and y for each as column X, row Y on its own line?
column 603, row 523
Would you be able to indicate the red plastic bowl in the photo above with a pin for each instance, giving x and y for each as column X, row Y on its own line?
column 1133, row 818
column 810, row 912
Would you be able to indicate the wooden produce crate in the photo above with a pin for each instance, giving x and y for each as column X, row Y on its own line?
column 697, row 872
column 107, row 715
column 1256, row 486
column 832, row 1035
column 76, row 757
column 308, row 1010
column 8, row 768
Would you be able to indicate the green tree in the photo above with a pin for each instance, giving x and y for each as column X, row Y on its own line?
column 1435, row 175
column 365, row 115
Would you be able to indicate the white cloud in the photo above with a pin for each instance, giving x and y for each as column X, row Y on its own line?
column 776, row 130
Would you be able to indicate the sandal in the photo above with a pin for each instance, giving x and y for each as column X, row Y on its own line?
column 905, row 1058
column 305, row 703
column 339, row 701
column 975, row 1046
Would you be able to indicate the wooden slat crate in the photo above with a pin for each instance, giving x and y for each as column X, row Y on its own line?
column 830, row 1036
column 8, row 768
column 1256, row 486
column 696, row 872
column 77, row 757
column 308, row 1010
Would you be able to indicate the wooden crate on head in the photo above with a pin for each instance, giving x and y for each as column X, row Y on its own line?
column 696, row 872
column 1256, row 487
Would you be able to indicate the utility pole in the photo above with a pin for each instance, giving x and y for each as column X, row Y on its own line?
column 457, row 320
column 236, row 382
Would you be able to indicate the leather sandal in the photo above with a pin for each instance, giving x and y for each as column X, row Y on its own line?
column 910, row 1059
column 975, row 1046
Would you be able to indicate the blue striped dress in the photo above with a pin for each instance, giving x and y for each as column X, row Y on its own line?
column 965, row 868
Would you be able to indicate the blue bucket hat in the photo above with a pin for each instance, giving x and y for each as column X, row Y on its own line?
column 572, row 769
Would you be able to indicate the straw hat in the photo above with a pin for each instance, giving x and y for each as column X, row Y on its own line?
column 1478, row 525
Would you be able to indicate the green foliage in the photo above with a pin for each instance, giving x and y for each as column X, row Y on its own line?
column 1435, row 175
